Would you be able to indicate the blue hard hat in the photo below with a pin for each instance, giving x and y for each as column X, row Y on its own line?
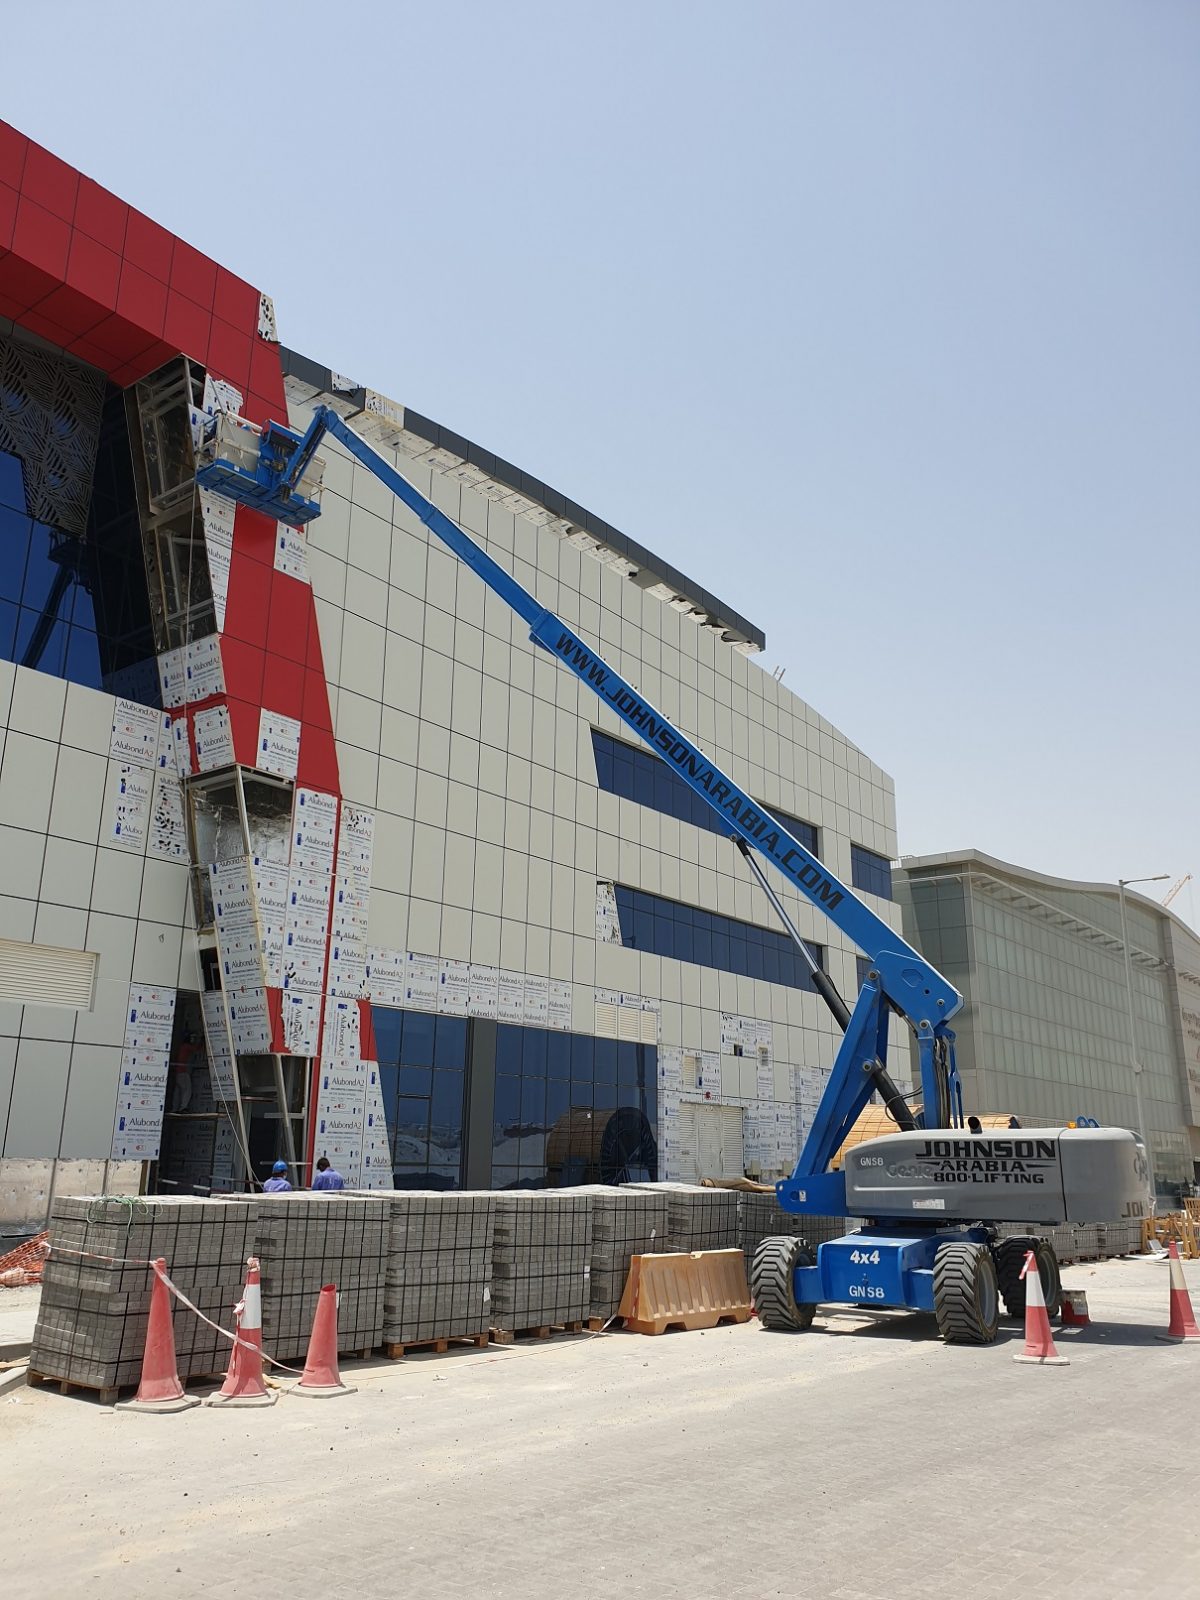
column 280, row 1166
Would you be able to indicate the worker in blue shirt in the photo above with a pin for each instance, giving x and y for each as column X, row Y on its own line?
column 327, row 1177
column 277, row 1183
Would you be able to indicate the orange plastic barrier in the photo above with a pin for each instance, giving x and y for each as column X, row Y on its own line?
column 697, row 1290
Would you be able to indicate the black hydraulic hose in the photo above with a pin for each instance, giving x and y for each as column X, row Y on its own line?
column 897, row 1106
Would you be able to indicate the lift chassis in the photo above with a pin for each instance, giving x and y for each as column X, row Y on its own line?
column 931, row 1241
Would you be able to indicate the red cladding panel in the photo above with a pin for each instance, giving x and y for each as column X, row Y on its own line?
column 193, row 274
column 314, row 655
column 243, row 664
column 74, row 313
column 275, row 1018
column 254, row 535
column 50, row 182
column 148, row 361
column 148, row 246
column 44, row 327
column 142, row 299
column 366, row 1031
column 265, row 371
column 101, row 215
column 22, row 285
column 316, row 701
column 236, row 302
column 13, row 146
column 123, row 340
column 42, row 239
column 248, row 604
column 283, row 687
column 229, row 353
column 318, row 761
column 8, row 215
column 186, row 326
column 287, row 632
column 94, row 270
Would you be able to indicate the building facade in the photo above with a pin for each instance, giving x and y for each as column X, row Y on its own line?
column 1044, row 1033
column 304, row 847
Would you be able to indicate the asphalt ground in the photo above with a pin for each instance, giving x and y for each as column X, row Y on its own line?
column 863, row 1460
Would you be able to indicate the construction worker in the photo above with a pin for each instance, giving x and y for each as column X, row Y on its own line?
column 327, row 1177
column 277, row 1183
column 1013, row 1122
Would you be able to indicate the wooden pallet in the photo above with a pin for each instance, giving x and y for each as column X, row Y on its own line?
column 397, row 1352
column 510, row 1335
column 109, row 1396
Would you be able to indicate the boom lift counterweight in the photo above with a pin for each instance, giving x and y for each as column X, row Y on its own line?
column 930, row 1242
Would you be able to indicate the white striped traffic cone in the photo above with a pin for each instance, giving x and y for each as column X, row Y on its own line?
column 1039, row 1341
column 244, row 1384
column 1183, row 1329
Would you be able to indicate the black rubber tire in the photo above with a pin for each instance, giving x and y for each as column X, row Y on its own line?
column 1048, row 1272
column 771, row 1271
column 1010, row 1258
column 966, row 1297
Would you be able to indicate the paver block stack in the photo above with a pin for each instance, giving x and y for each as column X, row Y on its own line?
column 699, row 1218
column 91, row 1327
column 542, row 1259
column 760, row 1216
column 308, row 1240
column 439, row 1266
column 626, row 1222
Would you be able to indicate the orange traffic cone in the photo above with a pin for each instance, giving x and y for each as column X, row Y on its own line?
column 1183, row 1327
column 1039, row 1342
column 244, row 1384
column 321, row 1379
column 160, row 1388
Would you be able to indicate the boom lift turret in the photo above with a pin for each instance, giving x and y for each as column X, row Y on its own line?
column 931, row 1194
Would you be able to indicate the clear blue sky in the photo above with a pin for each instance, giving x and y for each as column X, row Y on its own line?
column 881, row 320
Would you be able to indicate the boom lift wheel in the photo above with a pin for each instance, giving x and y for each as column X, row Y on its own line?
column 1010, row 1258
column 966, row 1300
column 771, row 1280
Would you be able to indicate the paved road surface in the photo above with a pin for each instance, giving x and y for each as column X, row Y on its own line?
column 734, row 1463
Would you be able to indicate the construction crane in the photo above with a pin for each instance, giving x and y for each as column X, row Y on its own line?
column 1180, row 883
column 933, row 1193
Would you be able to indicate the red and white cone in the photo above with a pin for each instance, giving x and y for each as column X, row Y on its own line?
column 244, row 1384
column 321, row 1379
column 1183, row 1329
column 1039, row 1341
column 160, row 1388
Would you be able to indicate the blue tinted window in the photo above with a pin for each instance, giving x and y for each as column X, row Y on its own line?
column 687, row 933
column 870, row 871
column 12, row 482
column 551, row 1130
column 84, row 610
column 423, row 1101
column 637, row 775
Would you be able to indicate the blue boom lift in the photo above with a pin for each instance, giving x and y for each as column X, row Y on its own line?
column 930, row 1204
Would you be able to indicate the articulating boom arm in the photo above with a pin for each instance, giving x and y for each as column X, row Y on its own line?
column 900, row 978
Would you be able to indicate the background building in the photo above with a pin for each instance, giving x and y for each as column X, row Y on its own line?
column 303, row 846
column 1045, row 1031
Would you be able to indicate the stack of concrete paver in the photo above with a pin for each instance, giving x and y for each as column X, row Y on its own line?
column 626, row 1222
column 308, row 1240
column 91, row 1327
column 439, row 1266
column 542, row 1258
column 1120, row 1238
column 700, row 1218
column 760, row 1217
